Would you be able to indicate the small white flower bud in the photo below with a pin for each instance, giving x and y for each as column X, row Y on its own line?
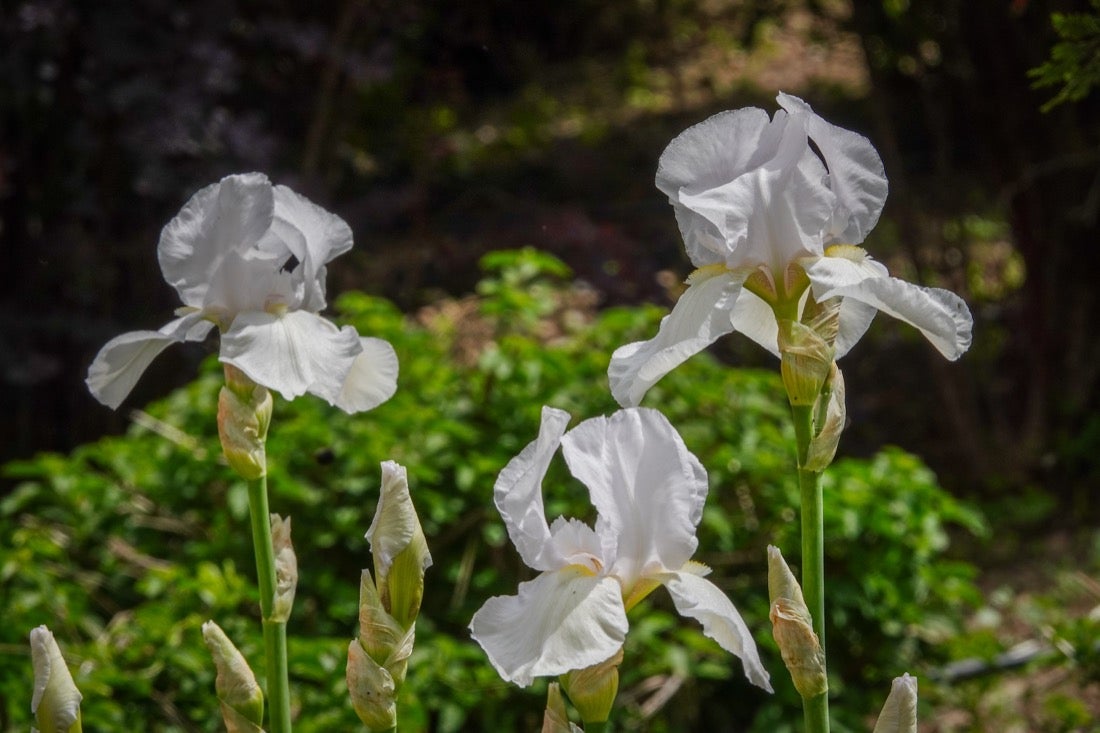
column 56, row 701
column 400, row 550
column 242, row 700
column 242, row 427
column 792, row 627
column 286, row 569
column 828, row 424
column 899, row 714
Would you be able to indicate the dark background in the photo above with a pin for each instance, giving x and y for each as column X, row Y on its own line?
column 443, row 130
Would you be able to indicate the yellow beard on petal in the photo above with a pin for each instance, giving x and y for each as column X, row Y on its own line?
column 847, row 251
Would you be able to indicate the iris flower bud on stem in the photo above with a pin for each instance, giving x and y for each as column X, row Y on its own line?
column 793, row 629
column 807, row 352
column 555, row 719
column 56, row 701
column 242, row 700
column 592, row 689
column 286, row 569
column 244, row 414
column 389, row 603
column 899, row 714
column 830, row 415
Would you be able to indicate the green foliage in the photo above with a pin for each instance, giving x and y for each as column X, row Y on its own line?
column 1074, row 62
column 128, row 544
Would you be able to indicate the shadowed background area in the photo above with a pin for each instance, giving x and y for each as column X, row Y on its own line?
column 440, row 131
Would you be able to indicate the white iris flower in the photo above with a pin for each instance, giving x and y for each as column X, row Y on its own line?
column 649, row 491
column 250, row 258
column 770, row 209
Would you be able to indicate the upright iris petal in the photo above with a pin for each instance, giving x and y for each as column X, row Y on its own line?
column 250, row 258
column 773, row 207
column 648, row 490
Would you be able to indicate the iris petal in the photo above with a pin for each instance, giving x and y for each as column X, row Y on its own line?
column 371, row 380
column 518, row 494
column 560, row 621
column 292, row 353
column 699, row 317
column 940, row 315
column 698, row 598
column 646, row 486
column 232, row 214
column 122, row 360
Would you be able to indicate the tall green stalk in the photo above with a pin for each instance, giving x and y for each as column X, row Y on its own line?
column 278, row 684
column 816, row 709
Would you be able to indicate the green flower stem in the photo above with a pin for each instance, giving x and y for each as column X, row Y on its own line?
column 278, row 684
column 601, row 727
column 816, row 709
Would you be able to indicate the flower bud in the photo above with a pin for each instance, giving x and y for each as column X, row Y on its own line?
column 372, row 689
column 899, row 714
column 805, row 361
column 829, row 422
column 56, row 701
column 555, row 719
column 380, row 636
column 242, row 427
column 792, row 627
column 400, row 550
column 286, row 569
column 592, row 690
column 242, row 700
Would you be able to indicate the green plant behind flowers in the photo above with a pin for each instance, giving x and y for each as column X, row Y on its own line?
column 128, row 544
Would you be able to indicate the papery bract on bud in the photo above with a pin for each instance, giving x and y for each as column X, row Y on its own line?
column 829, row 418
column 56, row 701
column 250, row 258
column 372, row 690
column 649, row 491
column 556, row 719
column 244, row 415
column 242, row 700
column 899, row 713
column 286, row 569
column 792, row 627
column 768, row 209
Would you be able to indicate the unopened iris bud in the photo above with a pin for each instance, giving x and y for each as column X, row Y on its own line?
column 899, row 714
column 286, row 569
column 242, row 700
column 372, row 689
column 380, row 636
column 244, row 414
column 556, row 719
column 592, row 690
column 389, row 603
column 805, row 361
column 792, row 627
column 400, row 550
column 831, row 414
column 807, row 350
column 56, row 701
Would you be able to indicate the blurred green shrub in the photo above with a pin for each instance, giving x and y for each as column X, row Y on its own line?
column 128, row 544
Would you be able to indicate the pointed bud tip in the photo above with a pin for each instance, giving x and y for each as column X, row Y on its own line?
column 899, row 713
